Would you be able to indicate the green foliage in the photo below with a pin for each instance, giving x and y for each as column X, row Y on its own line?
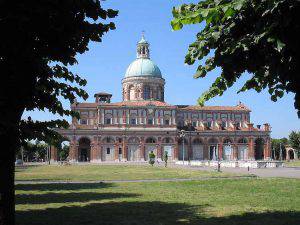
column 294, row 141
column 260, row 37
column 64, row 152
column 34, row 151
column 40, row 43
column 276, row 147
column 151, row 158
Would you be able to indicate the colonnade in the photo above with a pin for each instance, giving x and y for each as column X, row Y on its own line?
column 124, row 149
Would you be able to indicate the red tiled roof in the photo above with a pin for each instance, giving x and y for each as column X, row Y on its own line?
column 140, row 103
column 216, row 108
column 239, row 107
column 85, row 104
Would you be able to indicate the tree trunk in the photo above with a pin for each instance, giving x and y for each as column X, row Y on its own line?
column 9, row 133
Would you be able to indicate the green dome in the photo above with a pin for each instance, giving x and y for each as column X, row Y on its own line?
column 143, row 67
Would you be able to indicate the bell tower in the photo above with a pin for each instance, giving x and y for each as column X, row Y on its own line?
column 143, row 49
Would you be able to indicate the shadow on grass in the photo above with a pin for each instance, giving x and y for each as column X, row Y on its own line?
column 147, row 213
column 61, row 186
column 49, row 198
column 117, row 211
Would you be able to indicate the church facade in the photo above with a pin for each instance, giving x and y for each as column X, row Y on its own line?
column 144, row 122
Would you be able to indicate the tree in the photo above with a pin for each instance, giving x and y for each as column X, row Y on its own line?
column 257, row 36
column 276, row 145
column 64, row 152
column 38, row 43
column 294, row 140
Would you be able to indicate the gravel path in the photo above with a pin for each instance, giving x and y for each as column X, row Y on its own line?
column 131, row 181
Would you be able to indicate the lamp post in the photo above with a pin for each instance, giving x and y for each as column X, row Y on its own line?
column 182, row 135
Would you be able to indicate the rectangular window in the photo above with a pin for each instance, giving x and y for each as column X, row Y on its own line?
column 108, row 121
column 150, row 121
column 209, row 124
column 133, row 121
column 194, row 124
column 223, row 124
column 83, row 121
column 120, row 151
column 167, row 122
column 108, row 151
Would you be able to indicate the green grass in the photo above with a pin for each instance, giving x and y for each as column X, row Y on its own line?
column 249, row 201
column 293, row 163
column 108, row 172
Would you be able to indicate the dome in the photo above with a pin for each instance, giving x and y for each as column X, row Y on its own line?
column 143, row 67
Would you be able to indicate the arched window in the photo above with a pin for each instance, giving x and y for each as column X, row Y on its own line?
column 131, row 93
column 146, row 92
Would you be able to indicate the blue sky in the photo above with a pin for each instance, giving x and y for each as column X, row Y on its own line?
column 105, row 64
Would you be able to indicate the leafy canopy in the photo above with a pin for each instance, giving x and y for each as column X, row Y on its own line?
column 257, row 36
column 41, row 40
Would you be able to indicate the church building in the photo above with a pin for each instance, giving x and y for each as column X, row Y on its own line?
column 143, row 122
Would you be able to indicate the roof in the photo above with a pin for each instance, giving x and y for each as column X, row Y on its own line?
column 143, row 40
column 141, row 103
column 215, row 108
column 102, row 93
column 143, row 67
column 239, row 107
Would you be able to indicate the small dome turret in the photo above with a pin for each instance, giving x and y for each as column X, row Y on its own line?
column 143, row 65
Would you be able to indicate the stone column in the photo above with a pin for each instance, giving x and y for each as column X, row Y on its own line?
column 220, row 151
column 124, row 150
column 235, row 152
column 175, row 157
column 267, row 149
column 251, row 155
column 53, row 154
column 205, row 150
column 116, row 151
column 142, row 149
column 190, row 150
column 159, row 152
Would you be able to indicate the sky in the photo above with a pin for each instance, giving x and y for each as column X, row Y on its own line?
column 104, row 65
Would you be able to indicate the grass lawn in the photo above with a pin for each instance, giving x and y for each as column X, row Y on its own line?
column 248, row 201
column 108, row 172
column 293, row 163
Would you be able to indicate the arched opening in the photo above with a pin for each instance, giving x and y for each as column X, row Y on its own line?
column 259, row 149
column 64, row 150
column 291, row 155
column 227, row 149
column 150, row 140
column 182, row 149
column 197, row 149
column 84, row 150
column 212, row 148
column 150, row 146
column 242, row 149
column 133, row 149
